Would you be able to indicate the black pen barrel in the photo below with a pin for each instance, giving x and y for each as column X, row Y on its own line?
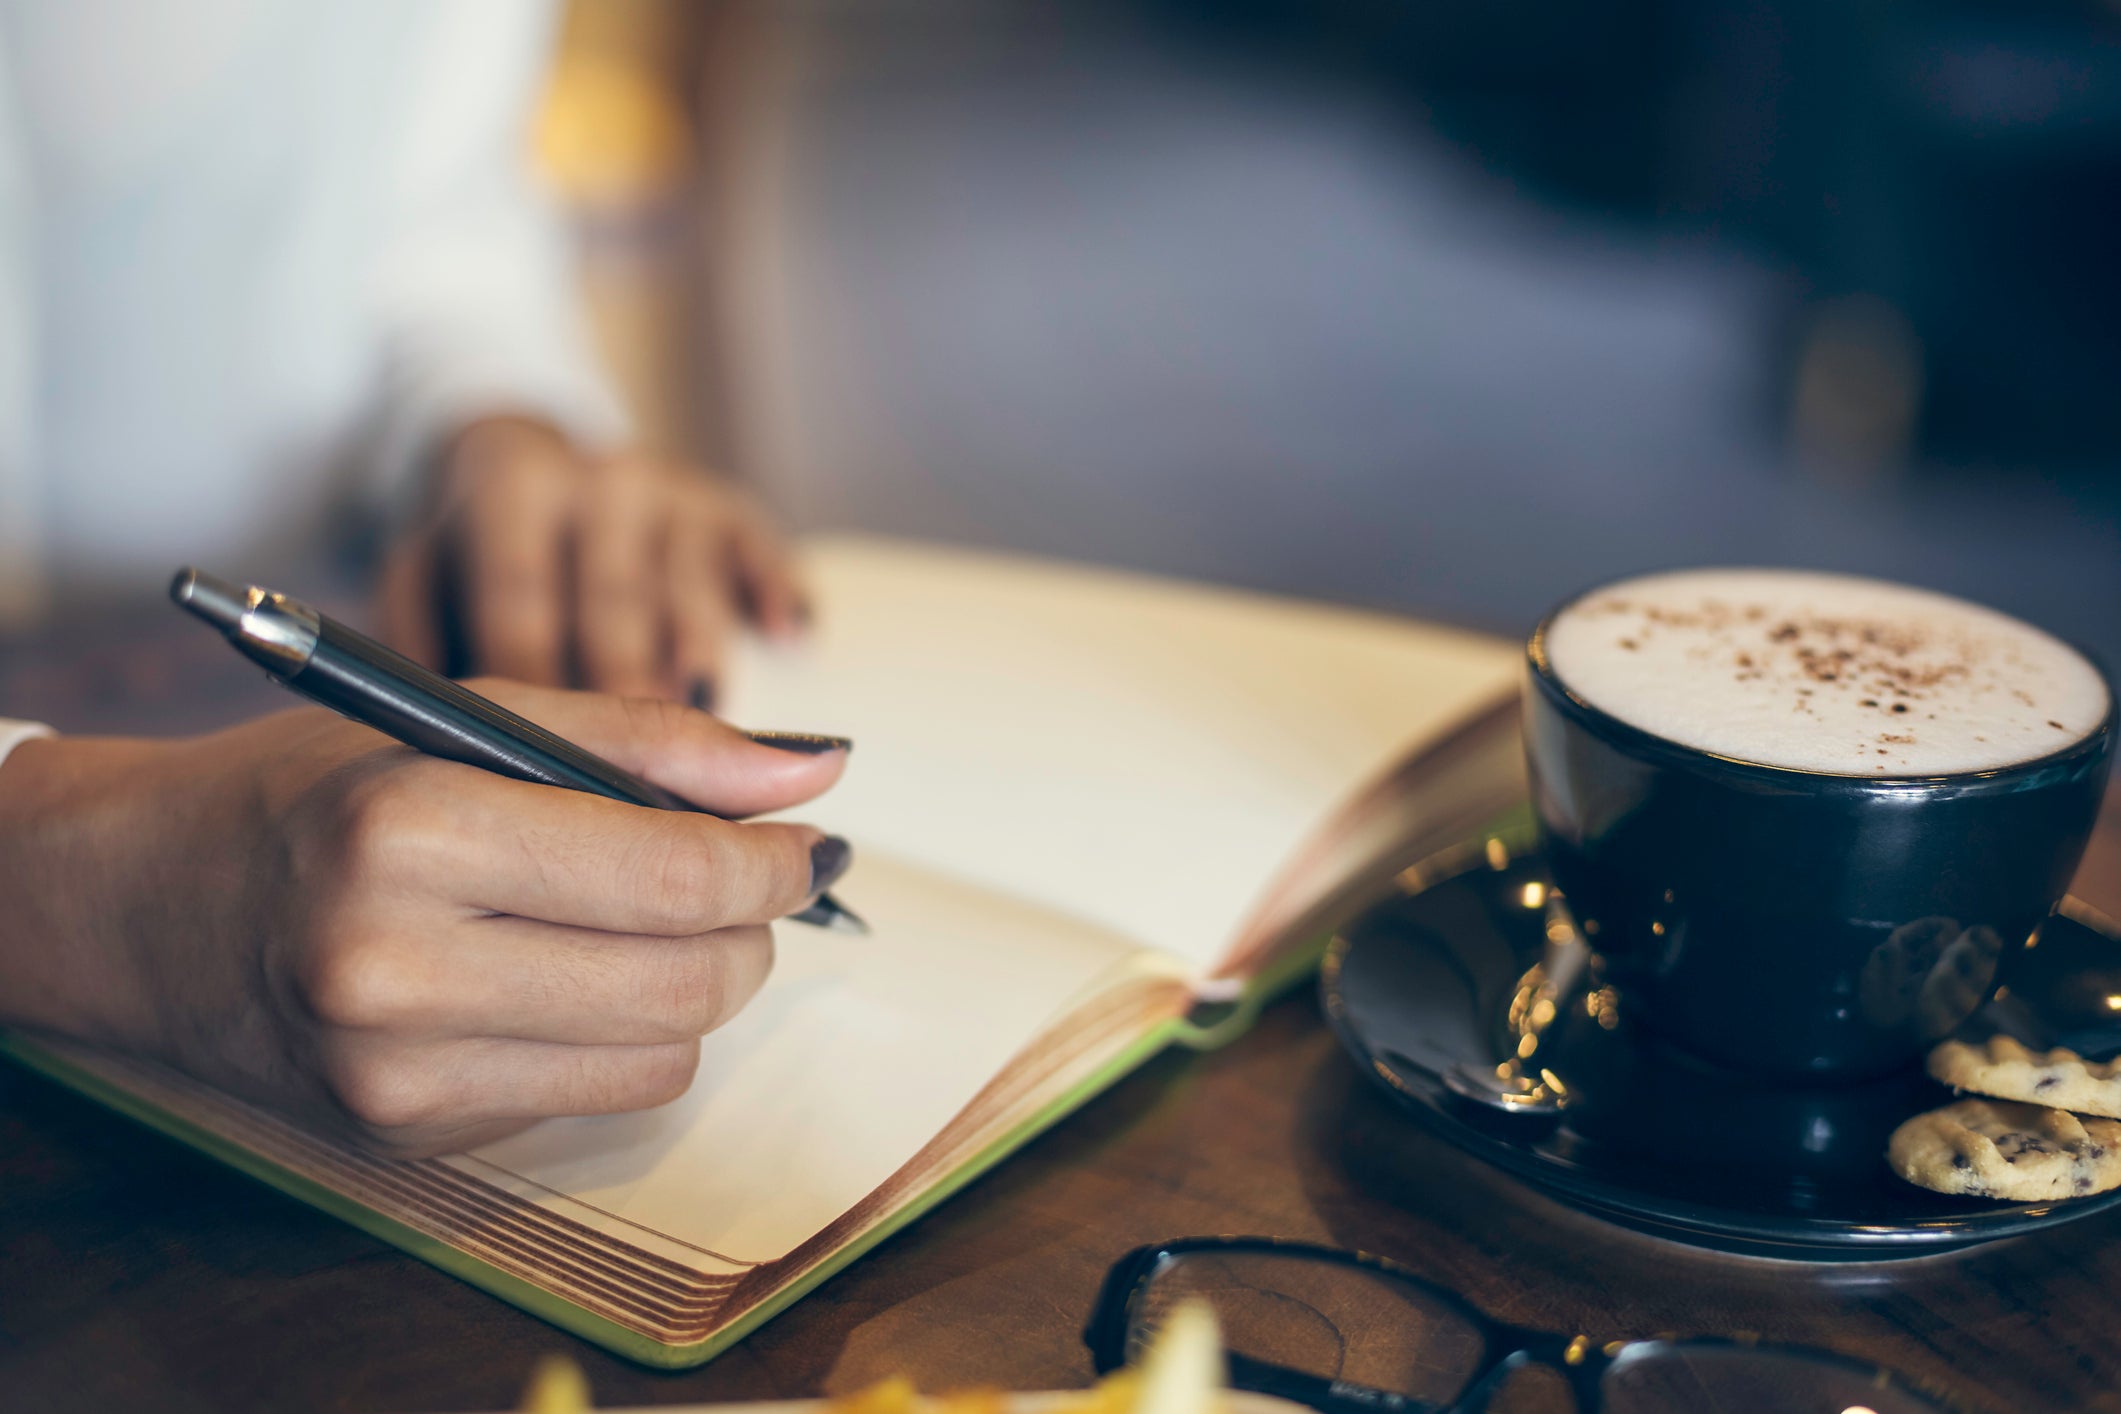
column 360, row 678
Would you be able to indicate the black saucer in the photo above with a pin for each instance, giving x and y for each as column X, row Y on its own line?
column 1421, row 987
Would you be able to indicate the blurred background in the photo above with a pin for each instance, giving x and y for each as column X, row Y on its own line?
column 1444, row 308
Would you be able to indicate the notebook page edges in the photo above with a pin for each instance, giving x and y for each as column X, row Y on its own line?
column 1133, row 1014
column 857, row 1053
column 1143, row 753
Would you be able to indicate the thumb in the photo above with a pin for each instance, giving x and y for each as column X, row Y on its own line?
column 698, row 756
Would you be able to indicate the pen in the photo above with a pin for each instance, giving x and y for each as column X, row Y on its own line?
column 357, row 677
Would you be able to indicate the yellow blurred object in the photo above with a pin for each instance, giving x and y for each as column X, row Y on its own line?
column 968, row 1401
column 611, row 133
column 1114, row 1394
column 1183, row 1370
column 557, row 1386
column 895, row 1395
column 1182, row 1373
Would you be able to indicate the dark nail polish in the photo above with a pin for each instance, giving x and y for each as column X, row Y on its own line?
column 808, row 743
column 700, row 695
column 829, row 859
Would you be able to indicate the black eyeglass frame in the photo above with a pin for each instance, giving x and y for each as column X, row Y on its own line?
column 1504, row 1348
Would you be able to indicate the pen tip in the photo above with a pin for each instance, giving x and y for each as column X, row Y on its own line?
column 830, row 914
column 215, row 600
column 843, row 921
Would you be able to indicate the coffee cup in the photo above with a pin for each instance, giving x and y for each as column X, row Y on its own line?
column 1808, row 821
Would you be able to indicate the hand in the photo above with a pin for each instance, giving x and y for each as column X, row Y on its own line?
column 420, row 953
column 625, row 573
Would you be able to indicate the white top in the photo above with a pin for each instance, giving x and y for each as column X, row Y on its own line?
column 1823, row 672
column 254, row 256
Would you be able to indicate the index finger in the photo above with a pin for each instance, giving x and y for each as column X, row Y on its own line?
column 533, row 851
column 771, row 580
column 514, row 543
column 617, row 573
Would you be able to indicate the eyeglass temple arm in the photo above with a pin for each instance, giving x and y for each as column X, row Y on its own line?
column 1320, row 1393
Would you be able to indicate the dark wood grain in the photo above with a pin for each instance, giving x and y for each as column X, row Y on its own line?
column 136, row 1275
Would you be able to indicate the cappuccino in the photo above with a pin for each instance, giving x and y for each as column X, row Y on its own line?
column 1824, row 673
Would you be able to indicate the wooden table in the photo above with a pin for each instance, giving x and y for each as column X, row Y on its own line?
column 136, row 1275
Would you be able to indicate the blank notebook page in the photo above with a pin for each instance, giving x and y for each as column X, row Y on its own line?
column 854, row 1056
column 1142, row 753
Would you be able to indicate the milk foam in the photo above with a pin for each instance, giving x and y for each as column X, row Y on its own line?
column 1829, row 673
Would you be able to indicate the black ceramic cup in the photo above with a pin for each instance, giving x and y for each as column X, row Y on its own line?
column 1791, row 922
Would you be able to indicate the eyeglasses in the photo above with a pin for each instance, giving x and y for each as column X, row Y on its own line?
column 1349, row 1333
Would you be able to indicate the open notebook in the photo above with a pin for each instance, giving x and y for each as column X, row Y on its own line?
column 1094, row 814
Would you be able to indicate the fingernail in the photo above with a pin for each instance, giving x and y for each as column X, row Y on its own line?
column 829, row 859
column 700, row 695
column 808, row 743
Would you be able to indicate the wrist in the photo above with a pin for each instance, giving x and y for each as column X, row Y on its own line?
column 71, row 870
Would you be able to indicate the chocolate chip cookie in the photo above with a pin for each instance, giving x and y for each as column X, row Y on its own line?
column 2003, row 1149
column 2008, row 1070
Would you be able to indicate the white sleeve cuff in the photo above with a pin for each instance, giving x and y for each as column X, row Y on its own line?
column 438, row 386
column 13, row 734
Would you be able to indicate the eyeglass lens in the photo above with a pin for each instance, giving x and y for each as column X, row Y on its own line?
column 1329, row 1319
